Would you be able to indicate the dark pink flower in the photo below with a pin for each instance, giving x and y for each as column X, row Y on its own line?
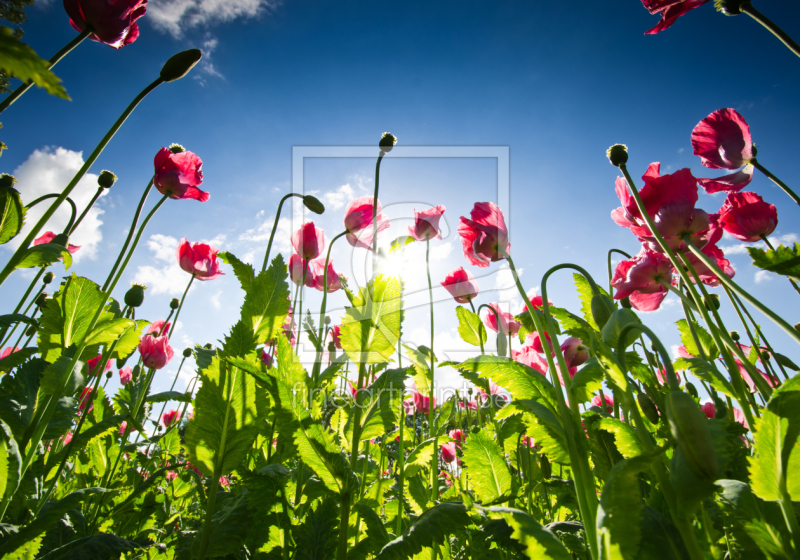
column 484, row 238
column 266, row 359
column 531, row 358
column 738, row 416
column 112, row 22
column 48, row 237
column 447, row 478
column 423, row 404
column 67, row 438
column 358, row 222
column 317, row 268
column 534, row 341
column 670, row 11
column 458, row 435
column 494, row 389
column 408, row 406
column 706, row 275
column 461, row 285
column 507, row 322
column 308, row 241
column 337, row 343
column 94, row 363
column 125, row 375
column 528, row 441
column 171, row 475
column 729, row 183
column 224, row 481
column 156, row 351
column 640, row 278
column 722, row 140
column 297, row 267
column 449, row 452
column 86, row 398
column 8, row 351
column 178, row 175
column 609, row 402
column 198, row 259
column 751, row 384
column 709, row 409
column 661, row 375
column 472, row 405
column 170, row 418
column 537, row 302
column 575, row 353
column 426, row 224
column 122, row 427
column 158, row 327
column 747, row 217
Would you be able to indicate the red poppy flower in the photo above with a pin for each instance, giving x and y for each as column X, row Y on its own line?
column 308, row 241
column 723, row 141
column 640, row 279
column 198, row 259
column 358, row 222
column 485, row 235
column 179, row 174
column 449, row 452
column 156, row 351
column 170, row 418
column 575, row 353
column 423, row 404
column 426, row 224
column 747, row 217
column 297, row 267
column 94, row 368
column 609, row 402
column 317, row 269
column 670, row 11
column 531, row 358
column 112, row 22
column 461, row 284
column 507, row 322
column 48, row 237
column 125, row 375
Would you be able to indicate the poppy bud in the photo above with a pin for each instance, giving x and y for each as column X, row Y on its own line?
column 30, row 330
column 618, row 154
column 602, row 309
column 626, row 303
column 180, row 64
column 176, row 148
column 313, row 204
column 48, row 277
column 730, row 7
column 135, row 296
column 648, row 408
column 331, row 348
column 469, row 391
column 40, row 300
column 544, row 465
column 735, row 336
column 7, row 181
column 106, row 179
column 175, row 303
column 109, row 374
column 387, row 142
column 476, row 429
column 711, row 301
column 187, row 353
column 208, row 346
column 689, row 427
column 691, row 389
column 327, row 320
column 797, row 327
column 61, row 239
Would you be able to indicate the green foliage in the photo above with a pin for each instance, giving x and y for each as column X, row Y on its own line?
column 316, row 536
column 266, row 302
column 783, row 260
column 709, row 348
column 44, row 255
column 12, row 214
column 10, row 462
column 521, row 381
column 380, row 403
column 371, row 327
column 430, row 528
column 470, row 327
column 20, row 61
column 489, row 475
column 537, row 541
column 613, row 328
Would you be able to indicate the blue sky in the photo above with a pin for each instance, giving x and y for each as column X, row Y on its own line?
column 555, row 82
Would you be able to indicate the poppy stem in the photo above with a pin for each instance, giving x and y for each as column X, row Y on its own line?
column 275, row 227
column 66, row 49
column 54, row 195
column 775, row 180
column 610, row 272
column 130, row 233
column 177, row 313
column 375, row 214
column 85, row 211
column 16, row 258
column 431, row 418
column 317, row 362
column 748, row 9
column 19, row 306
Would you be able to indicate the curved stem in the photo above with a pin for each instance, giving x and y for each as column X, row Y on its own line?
column 672, row 379
column 178, row 312
column 23, row 247
column 274, row 229
column 19, row 305
column 300, row 313
column 500, row 331
column 748, row 9
column 480, row 334
column 65, row 50
column 130, row 234
column 74, row 210
column 375, row 214
column 86, row 210
column 610, row 272
column 317, row 364
column 431, row 418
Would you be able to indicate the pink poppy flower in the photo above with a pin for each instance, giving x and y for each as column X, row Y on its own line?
column 494, row 389
column 748, row 379
column 337, row 343
column 640, row 279
column 8, row 351
column 461, row 285
column 457, row 435
column 722, row 140
column 729, row 183
column 449, row 452
column 609, row 402
column 537, row 302
column 447, row 478
column 661, row 375
column 122, row 427
column 158, row 328
column 225, row 482
column 170, row 418
column 266, row 359
column 709, row 409
column 358, row 222
column 113, row 22
column 575, row 353
column 408, row 406
column 670, row 11
column 297, row 267
column 747, row 217
column 471, row 405
column 528, row 442
column 94, row 368
column 86, row 398
column 171, row 475
column 738, row 416
column 317, row 268
column 572, row 372
column 531, row 358
column 485, row 235
column 156, row 351
column 48, row 237
column 423, row 404
column 535, row 342
column 426, row 224
column 67, row 438
column 125, row 375
column 507, row 322
column 178, row 175
column 308, row 241
column 198, row 259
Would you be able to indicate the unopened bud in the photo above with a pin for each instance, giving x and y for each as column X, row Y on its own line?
column 175, row 303
column 691, row 389
column 313, row 204
column 722, row 410
column 387, row 142
column 106, row 179
column 327, row 320
column 735, row 336
column 135, row 296
column 30, row 331
column 618, row 154
column 180, row 64
column 61, row 239
column 208, row 346
column 7, row 181
column 331, row 348
column 109, row 374
column 48, row 277
column 797, row 327
column 711, row 301
column 187, row 353
column 648, row 408
column 40, row 299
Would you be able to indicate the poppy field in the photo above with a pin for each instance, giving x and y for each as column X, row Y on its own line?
column 580, row 436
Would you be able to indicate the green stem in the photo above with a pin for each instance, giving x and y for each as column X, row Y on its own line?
column 431, row 419
column 65, row 50
column 73, row 209
column 164, row 406
column 748, row 9
column 131, row 231
column 86, row 210
column 19, row 306
column 23, row 247
column 274, row 229
column 322, row 309
column 611, row 272
column 178, row 312
column 400, row 463
column 375, row 214
column 212, row 501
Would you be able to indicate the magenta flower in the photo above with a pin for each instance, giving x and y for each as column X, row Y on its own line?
column 337, row 342
column 94, row 368
column 308, row 241
column 537, row 302
column 158, row 327
column 449, row 452
column 747, row 217
column 317, row 269
column 423, row 404
column 67, row 438
column 297, row 267
column 123, row 427
column 125, row 375
column 485, row 235
column 461, row 285
column 358, row 222
column 112, row 22
column 170, row 418
column 457, row 435
column 575, row 353
column 86, row 398
column 171, row 475
column 198, row 259
column 535, row 342
column 670, row 11
column 178, row 175
column 48, row 237
column 751, row 384
column 507, row 322
column 156, row 351
column 266, row 359
column 426, row 224
column 641, row 277
column 707, row 276
column 709, row 409
column 722, row 140
column 471, row 405
column 528, row 441
column 661, row 375
column 609, row 402
column 531, row 358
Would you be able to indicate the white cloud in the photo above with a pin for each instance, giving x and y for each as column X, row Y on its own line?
column 48, row 171
column 176, row 16
column 763, row 276
column 206, row 66
column 338, row 198
column 506, row 287
column 741, row 248
column 215, row 300
column 168, row 279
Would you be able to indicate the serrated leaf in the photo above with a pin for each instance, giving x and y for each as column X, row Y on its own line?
column 521, row 381
column 266, row 302
column 12, row 214
column 419, row 458
column 13, row 318
column 229, row 526
column 19, row 394
column 167, row 396
column 706, row 341
column 244, row 272
column 17, row 358
column 20, row 61
column 430, row 528
column 488, row 472
column 625, row 436
column 316, row 537
column 537, row 541
column 380, row 403
column 10, row 462
column 587, row 381
column 109, row 331
column 782, row 260
column 371, row 327
column 616, row 323
column 470, row 327
column 44, row 255
column 87, row 435
column 543, row 425
column 707, row 372
column 103, row 545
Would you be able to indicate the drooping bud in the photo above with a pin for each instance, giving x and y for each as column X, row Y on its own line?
column 180, row 64
column 691, row 389
column 648, row 408
column 618, row 154
column 387, row 142
column 109, row 374
column 187, row 353
column 48, row 277
column 135, row 296
column 722, row 409
column 7, row 181
column 797, row 327
column 208, row 346
column 331, row 348
column 313, row 204
column 602, row 309
column 106, row 179
column 40, row 299
column 175, row 303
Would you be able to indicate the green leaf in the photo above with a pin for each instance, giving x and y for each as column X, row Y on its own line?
column 377, row 536
column 706, row 341
column 12, row 214
column 27, row 551
column 266, row 302
column 470, row 327
column 87, row 435
column 17, row 358
column 380, row 403
column 67, row 316
column 537, row 541
column 167, row 396
column 229, row 526
column 613, row 327
column 8, row 320
column 316, row 537
column 45, row 255
column 19, row 394
column 707, row 372
column 521, row 381
column 223, row 428
column 103, row 545
column 371, row 327
column 243, row 271
column 419, row 458
column 56, row 374
column 20, row 61
column 431, row 528
column 543, row 425
column 588, row 380
column 109, row 331
column 488, row 472
column 585, row 294
column 10, row 462
column 625, row 436
column 785, row 362
column 783, row 260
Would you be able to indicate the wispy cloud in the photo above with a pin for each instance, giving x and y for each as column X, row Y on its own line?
column 178, row 16
column 741, row 248
column 338, row 198
column 763, row 276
